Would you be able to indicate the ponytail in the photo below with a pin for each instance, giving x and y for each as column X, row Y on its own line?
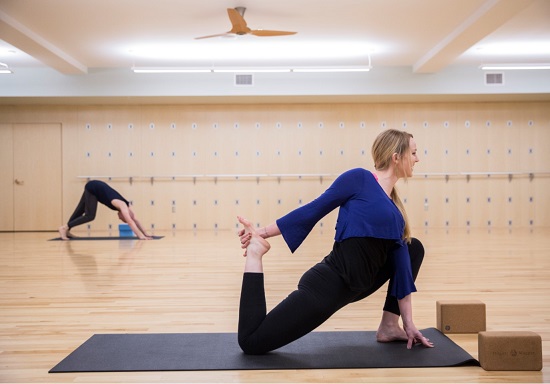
column 401, row 207
column 386, row 144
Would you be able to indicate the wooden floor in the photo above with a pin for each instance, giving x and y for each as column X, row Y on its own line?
column 55, row 295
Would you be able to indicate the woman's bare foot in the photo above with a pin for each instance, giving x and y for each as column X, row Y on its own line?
column 256, row 247
column 387, row 335
column 389, row 329
column 64, row 232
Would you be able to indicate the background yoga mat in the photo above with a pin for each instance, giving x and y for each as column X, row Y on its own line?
column 105, row 238
column 220, row 351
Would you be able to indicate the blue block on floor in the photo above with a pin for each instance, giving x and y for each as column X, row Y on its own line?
column 125, row 230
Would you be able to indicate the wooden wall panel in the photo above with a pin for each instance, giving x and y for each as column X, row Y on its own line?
column 184, row 148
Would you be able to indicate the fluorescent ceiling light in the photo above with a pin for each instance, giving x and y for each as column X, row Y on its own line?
column 504, row 67
column 247, row 49
column 252, row 70
column 247, row 70
column 336, row 69
column 513, row 48
column 169, row 70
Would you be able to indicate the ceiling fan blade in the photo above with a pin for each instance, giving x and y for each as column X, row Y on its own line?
column 216, row 35
column 238, row 24
column 265, row 32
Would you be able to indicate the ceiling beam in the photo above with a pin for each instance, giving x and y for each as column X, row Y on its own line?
column 21, row 37
column 485, row 20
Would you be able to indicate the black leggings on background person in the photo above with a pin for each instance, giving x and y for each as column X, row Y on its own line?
column 85, row 210
column 321, row 292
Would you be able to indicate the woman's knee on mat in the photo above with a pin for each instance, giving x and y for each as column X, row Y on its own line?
column 251, row 345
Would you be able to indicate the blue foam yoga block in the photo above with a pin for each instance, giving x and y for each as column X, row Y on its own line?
column 125, row 230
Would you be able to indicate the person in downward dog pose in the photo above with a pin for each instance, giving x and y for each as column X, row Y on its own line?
column 372, row 245
column 98, row 191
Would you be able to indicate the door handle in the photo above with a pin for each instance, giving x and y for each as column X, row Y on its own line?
column 19, row 182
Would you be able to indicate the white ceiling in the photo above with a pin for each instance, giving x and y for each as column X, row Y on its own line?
column 80, row 37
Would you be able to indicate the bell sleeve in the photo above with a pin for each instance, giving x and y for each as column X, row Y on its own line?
column 296, row 225
column 402, row 282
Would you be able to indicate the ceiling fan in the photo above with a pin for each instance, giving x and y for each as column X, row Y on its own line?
column 239, row 27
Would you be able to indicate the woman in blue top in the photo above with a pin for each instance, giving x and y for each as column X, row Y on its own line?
column 372, row 245
column 98, row 191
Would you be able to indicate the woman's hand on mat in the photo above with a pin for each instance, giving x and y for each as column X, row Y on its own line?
column 245, row 234
column 415, row 336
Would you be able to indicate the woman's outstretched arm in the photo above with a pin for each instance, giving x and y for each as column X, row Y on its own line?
column 270, row 230
column 413, row 334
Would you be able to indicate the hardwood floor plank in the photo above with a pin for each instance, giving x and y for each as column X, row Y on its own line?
column 55, row 295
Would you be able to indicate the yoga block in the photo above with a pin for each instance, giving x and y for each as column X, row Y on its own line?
column 510, row 351
column 461, row 316
column 125, row 230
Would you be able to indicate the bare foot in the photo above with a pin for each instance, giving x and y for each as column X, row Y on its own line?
column 64, row 232
column 256, row 247
column 387, row 334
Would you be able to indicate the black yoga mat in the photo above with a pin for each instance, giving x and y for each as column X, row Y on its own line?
column 105, row 238
column 220, row 351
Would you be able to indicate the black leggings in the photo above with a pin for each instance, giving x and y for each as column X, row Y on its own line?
column 321, row 292
column 85, row 210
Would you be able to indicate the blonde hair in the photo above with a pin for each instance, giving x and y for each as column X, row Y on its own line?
column 385, row 145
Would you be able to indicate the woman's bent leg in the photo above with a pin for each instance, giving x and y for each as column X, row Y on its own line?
column 321, row 292
column 85, row 210
column 416, row 253
column 252, row 308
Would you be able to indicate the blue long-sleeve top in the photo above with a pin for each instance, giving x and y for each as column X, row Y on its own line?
column 365, row 211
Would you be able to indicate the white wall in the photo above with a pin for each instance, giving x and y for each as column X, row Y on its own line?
column 379, row 83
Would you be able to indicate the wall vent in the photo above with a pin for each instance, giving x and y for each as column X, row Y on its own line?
column 244, row 79
column 494, row 78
